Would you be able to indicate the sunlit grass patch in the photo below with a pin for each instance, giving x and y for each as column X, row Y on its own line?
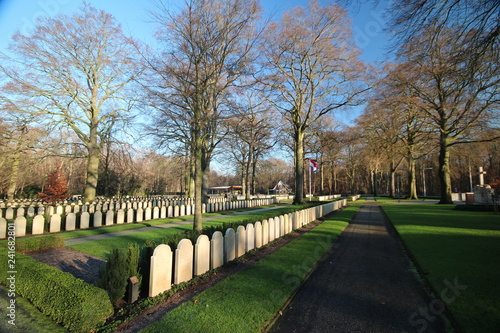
column 457, row 247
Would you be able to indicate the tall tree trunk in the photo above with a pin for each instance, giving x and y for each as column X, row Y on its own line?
column 254, row 170
column 444, row 170
column 243, row 178
column 392, row 188
column 412, row 178
column 94, row 152
column 190, row 178
column 198, row 186
column 374, row 182
column 247, row 173
column 205, row 168
column 334, row 189
column 14, row 175
column 299, row 168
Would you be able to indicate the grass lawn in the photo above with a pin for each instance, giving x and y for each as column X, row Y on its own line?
column 102, row 247
column 27, row 317
column 248, row 300
column 136, row 225
column 459, row 249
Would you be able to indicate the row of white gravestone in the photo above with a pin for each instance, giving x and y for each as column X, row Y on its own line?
column 31, row 211
column 208, row 254
column 56, row 223
column 104, row 205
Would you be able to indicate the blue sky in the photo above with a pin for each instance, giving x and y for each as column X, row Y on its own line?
column 20, row 15
column 16, row 15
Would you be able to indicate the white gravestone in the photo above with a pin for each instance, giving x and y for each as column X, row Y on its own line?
column 265, row 232
column 183, row 270
column 240, row 241
column 110, row 216
column 160, row 271
column 258, row 234
column 97, row 219
column 3, row 228
column 84, row 220
column 202, row 255
column 217, row 250
column 148, row 214
column 229, row 245
column 120, row 216
column 9, row 213
column 130, row 215
column 38, row 225
column 70, row 222
column 55, row 223
column 139, row 215
column 20, row 224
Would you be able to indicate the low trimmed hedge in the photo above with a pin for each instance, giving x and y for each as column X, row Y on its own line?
column 38, row 243
column 76, row 305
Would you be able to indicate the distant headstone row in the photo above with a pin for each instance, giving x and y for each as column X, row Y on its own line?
column 173, row 267
column 83, row 219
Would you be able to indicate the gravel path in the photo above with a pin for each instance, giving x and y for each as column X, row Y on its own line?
column 79, row 264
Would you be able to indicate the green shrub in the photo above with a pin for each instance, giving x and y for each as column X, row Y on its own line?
column 38, row 243
column 133, row 259
column 113, row 276
column 145, row 264
column 78, row 306
column 121, row 265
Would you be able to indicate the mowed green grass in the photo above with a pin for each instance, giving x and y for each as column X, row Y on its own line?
column 459, row 249
column 248, row 300
column 27, row 317
column 101, row 248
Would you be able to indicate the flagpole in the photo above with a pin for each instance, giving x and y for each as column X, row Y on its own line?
column 310, row 183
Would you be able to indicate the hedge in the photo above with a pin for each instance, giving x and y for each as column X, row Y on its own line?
column 38, row 243
column 76, row 305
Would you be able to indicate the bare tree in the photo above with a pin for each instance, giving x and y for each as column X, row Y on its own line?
column 208, row 49
column 456, row 101
column 75, row 70
column 19, row 139
column 250, row 136
column 313, row 69
column 394, row 125
column 480, row 22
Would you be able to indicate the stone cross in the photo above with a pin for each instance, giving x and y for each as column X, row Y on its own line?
column 481, row 176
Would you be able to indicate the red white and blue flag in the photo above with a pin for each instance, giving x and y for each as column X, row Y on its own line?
column 313, row 165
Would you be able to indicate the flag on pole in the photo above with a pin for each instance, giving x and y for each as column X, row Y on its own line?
column 314, row 165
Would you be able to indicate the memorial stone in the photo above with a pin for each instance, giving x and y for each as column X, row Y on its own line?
column 84, row 220
column 38, row 224
column 229, row 245
column 139, row 215
column 250, row 237
column 183, row 269
column 217, row 250
column 9, row 213
column 20, row 224
column 70, row 222
column 55, row 223
column 97, row 219
column 240, row 241
column 110, row 216
column 160, row 270
column 258, row 234
column 202, row 255
column 120, row 216
column 265, row 232
column 3, row 228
